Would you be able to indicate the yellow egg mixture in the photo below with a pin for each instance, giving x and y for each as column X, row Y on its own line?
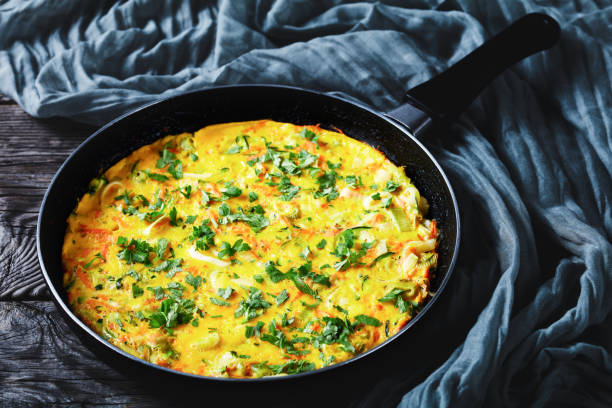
column 249, row 249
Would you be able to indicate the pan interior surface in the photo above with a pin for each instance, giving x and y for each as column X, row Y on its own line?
column 192, row 111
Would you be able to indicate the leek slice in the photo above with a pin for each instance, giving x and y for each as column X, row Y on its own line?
column 193, row 252
column 401, row 219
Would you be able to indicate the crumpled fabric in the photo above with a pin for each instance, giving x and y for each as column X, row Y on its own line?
column 529, row 303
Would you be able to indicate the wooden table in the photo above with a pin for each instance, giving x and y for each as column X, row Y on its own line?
column 42, row 362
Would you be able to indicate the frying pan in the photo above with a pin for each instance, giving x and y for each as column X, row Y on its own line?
column 396, row 133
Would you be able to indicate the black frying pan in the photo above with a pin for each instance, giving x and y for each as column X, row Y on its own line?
column 395, row 134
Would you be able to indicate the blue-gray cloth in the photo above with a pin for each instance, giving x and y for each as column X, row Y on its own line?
column 529, row 305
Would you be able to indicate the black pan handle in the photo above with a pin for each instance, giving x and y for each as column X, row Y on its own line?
column 448, row 94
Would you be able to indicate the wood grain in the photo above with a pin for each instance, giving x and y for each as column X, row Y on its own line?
column 43, row 363
column 32, row 151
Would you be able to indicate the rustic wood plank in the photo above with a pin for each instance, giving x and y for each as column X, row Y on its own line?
column 32, row 151
column 43, row 363
column 5, row 100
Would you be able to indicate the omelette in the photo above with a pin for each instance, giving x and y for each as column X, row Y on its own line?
column 249, row 249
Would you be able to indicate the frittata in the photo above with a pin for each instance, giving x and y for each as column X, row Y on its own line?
column 249, row 249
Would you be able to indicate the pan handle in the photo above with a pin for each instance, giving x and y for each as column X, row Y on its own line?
column 445, row 96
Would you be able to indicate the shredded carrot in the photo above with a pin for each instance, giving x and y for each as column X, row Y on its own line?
column 104, row 250
column 309, row 146
column 162, row 222
column 84, row 277
column 376, row 335
column 212, row 188
column 96, row 302
column 338, row 276
column 121, row 222
column 395, row 246
column 240, row 229
column 85, row 252
column 98, row 233
column 255, row 127
column 331, row 231
column 434, row 229
column 257, row 149
column 265, row 189
column 307, row 232
column 403, row 323
column 337, row 130
column 320, row 161
column 378, row 218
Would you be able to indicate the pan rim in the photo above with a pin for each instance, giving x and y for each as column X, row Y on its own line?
column 67, row 312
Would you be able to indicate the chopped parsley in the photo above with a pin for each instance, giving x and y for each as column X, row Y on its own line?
column 306, row 159
column 229, row 192
column 287, row 190
column 347, row 251
column 172, row 266
column 282, row 297
column 289, row 367
column 219, row 302
column 96, row 256
column 136, row 290
column 157, row 176
column 297, row 275
column 175, row 167
column 280, row 340
column 368, row 320
column 336, row 330
column 186, row 192
column 380, row 257
column 134, row 251
column 172, row 215
column 203, row 236
column 310, row 135
column 353, row 181
column 228, row 250
column 225, row 293
column 250, row 305
column 327, row 186
column 391, row 186
column 171, row 313
column 194, row 281
column 395, row 296
column 251, row 331
column 255, row 219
